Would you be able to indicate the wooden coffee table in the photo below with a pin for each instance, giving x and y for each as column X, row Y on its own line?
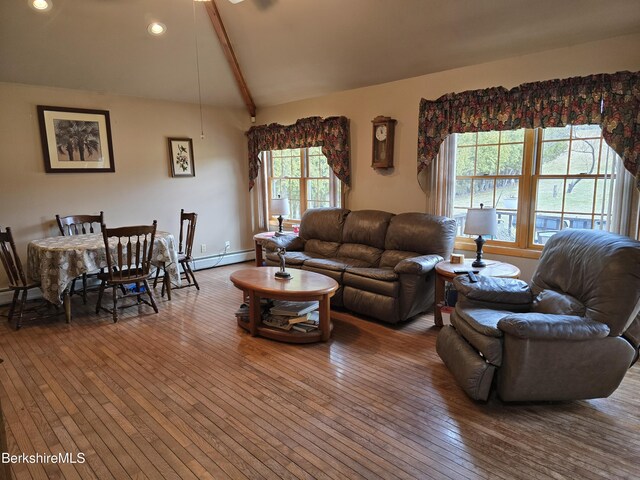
column 260, row 282
column 445, row 272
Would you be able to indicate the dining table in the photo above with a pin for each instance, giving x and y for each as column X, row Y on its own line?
column 56, row 261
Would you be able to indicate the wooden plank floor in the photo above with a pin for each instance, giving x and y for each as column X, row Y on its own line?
column 187, row 394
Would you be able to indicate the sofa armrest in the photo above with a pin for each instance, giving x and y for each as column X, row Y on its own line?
column 418, row 265
column 289, row 242
column 505, row 291
column 545, row 326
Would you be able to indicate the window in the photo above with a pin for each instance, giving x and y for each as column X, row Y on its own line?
column 304, row 177
column 540, row 181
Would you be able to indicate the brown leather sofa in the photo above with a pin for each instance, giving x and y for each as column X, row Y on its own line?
column 572, row 335
column 384, row 263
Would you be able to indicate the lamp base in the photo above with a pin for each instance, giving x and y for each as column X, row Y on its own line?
column 479, row 263
column 280, row 223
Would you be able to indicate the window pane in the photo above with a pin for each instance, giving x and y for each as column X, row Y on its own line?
column 314, row 167
column 318, row 193
column 483, row 192
column 556, row 133
column 507, row 221
column 555, row 158
column 547, row 225
column 465, row 160
column 586, row 131
column 488, row 137
column 550, row 193
column 584, row 156
column 315, row 151
column 579, row 197
column 511, row 159
column 507, row 193
column 487, row 161
column 462, row 197
column 466, row 138
column 578, row 221
column 512, row 136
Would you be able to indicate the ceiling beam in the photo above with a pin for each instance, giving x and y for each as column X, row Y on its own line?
column 218, row 26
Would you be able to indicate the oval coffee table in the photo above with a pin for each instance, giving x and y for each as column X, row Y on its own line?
column 260, row 282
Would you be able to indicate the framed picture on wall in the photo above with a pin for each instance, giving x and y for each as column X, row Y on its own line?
column 181, row 157
column 75, row 140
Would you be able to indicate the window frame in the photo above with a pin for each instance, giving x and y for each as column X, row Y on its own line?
column 335, row 189
column 524, row 245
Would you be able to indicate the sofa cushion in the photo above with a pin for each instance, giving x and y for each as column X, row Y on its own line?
column 366, row 227
column 489, row 346
column 292, row 258
column 422, row 233
column 549, row 301
column 374, row 280
column 390, row 258
column 321, row 248
column 323, row 224
column 483, row 320
column 370, row 255
column 508, row 291
column 334, row 264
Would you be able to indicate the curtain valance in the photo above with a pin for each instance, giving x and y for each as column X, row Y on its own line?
column 332, row 134
column 609, row 100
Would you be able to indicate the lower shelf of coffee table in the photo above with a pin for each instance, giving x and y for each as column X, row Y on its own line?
column 286, row 336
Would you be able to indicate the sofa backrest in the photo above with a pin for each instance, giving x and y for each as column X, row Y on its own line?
column 421, row 233
column 599, row 269
column 321, row 229
column 364, row 234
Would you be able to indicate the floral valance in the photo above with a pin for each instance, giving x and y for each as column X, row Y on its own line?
column 332, row 134
column 609, row 100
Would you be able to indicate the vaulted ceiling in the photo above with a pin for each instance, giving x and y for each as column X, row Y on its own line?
column 287, row 49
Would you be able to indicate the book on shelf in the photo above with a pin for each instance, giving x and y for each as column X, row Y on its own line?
column 303, row 327
column 281, row 322
column 293, row 309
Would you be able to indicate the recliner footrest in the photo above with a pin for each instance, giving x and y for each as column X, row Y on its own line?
column 470, row 370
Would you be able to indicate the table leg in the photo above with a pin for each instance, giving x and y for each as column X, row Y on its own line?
column 439, row 298
column 325, row 317
column 66, row 301
column 259, row 257
column 167, row 282
column 254, row 313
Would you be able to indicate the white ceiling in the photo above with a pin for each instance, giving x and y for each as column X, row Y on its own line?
column 287, row 49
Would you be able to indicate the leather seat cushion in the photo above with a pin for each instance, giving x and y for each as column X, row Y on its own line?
column 381, row 285
column 483, row 320
column 334, row 264
column 383, row 274
column 489, row 346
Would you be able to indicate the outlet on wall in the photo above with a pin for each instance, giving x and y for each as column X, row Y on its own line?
column 227, row 244
column 203, row 247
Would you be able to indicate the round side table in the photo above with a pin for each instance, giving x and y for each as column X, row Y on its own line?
column 445, row 273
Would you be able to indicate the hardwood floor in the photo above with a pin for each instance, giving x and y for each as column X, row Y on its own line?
column 188, row 394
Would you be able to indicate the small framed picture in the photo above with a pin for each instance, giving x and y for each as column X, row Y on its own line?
column 75, row 140
column 181, row 157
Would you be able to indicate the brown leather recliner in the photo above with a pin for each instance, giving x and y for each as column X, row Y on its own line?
column 572, row 335
column 384, row 263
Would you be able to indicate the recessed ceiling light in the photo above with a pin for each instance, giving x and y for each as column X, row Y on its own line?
column 41, row 5
column 156, row 28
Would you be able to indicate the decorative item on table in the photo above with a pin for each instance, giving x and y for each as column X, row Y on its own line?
column 282, row 273
column 280, row 207
column 457, row 258
column 481, row 221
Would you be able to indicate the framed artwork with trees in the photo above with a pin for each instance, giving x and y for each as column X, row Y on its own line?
column 75, row 140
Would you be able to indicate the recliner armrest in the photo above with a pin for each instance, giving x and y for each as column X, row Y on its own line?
column 545, row 326
column 289, row 242
column 505, row 291
column 418, row 265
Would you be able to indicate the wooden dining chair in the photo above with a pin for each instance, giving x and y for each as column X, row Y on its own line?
column 185, row 247
column 79, row 225
column 129, row 253
column 18, row 281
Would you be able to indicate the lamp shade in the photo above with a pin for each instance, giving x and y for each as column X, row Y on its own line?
column 481, row 221
column 279, row 206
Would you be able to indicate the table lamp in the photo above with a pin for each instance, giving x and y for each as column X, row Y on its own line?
column 480, row 221
column 279, row 206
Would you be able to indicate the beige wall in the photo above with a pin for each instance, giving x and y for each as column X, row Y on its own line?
column 398, row 190
column 141, row 189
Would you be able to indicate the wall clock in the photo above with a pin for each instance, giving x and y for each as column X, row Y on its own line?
column 383, row 133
